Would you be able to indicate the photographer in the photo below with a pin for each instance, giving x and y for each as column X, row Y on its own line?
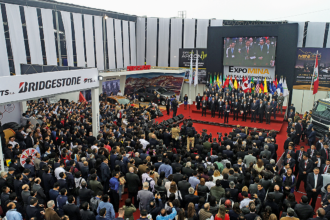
column 191, row 132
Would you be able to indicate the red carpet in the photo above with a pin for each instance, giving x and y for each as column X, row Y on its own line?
column 280, row 138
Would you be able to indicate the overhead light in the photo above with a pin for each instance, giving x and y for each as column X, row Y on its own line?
column 105, row 17
column 100, row 78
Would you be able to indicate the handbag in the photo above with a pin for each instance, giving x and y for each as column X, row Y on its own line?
column 196, row 193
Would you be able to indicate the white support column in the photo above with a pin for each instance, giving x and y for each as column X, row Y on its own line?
column 23, row 107
column 95, row 112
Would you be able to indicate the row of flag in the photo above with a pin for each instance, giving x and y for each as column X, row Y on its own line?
column 250, row 84
column 195, row 78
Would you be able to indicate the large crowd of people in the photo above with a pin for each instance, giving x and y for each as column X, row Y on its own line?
column 167, row 171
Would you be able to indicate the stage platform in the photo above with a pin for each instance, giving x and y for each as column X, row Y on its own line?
column 196, row 115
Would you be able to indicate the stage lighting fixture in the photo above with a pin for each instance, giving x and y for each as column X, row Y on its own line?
column 100, row 78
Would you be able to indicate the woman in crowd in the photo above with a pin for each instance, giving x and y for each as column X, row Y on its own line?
column 222, row 215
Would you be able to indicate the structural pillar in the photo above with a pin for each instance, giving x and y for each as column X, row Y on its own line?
column 95, row 112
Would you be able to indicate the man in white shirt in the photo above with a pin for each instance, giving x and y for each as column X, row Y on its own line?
column 12, row 141
column 59, row 170
column 143, row 141
column 94, row 147
column 119, row 93
column 210, row 183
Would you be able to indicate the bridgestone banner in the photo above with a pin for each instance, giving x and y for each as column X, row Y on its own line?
column 23, row 87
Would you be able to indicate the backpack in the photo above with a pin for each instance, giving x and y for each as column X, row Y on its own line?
column 149, row 181
column 94, row 204
column 190, row 132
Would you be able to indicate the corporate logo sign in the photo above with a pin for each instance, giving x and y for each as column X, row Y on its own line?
column 16, row 88
column 249, row 71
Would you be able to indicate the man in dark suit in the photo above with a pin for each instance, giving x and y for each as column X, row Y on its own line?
column 183, row 186
column 274, row 106
column 252, row 215
column 32, row 210
column 261, row 53
column 299, row 129
column 314, row 185
column 167, row 138
column 311, row 137
column 187, row 170
column 191, row 197
column 325, row 167
column 105, row 175
column 228, row 152
column 133, row 182
column 221, row 103
column 204, row 104
column 85, row 194
column 48, row 181
column 226, row 109
column 254, row 110
column 236, row 109
column 244, row 109
column 71, row 210
column 278, row 196
column 62, row 181
column 246, row 53
column 233, row 191
column 299, row 157
column 311, row 152
column 177, row 176
column 168, row 105
column 213, row 108
column 176, row 165
column 305, row 167
column 198, row 101
column 268, row 111
column 174, row 106
column 261, row 111
column 231, row 53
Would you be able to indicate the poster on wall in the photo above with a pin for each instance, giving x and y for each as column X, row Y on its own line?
column 304, row 68
column 111, row 86
column 184, row 61
column 201, row 76
column 10, row 113
column 169, row 81
column 249, row 71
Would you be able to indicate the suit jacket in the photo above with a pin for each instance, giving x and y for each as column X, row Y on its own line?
column 48, row 181
column 105, row 173
column 95, row 186
column 32, row 211
column 229, row 153
column 40, row 193
column 50, row 214
column 133, row 182
column 86, row 215
column 309, row 167
column 248, row 159
column 177, row 177
column 183, row 186
column 191, row 198
column 266, row 153
column 187, row 171
column 85, row 195
column 298, row 128
column 72, row 211
column 278, row 197
column 311, row 182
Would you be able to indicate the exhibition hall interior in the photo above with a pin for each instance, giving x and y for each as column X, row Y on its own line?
column 107, row 114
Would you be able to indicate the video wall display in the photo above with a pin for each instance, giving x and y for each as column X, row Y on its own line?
column 249, row 51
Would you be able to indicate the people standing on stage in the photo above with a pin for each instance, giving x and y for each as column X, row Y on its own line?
column 254, row 109
column 268, row 111
column 280, row 101
column 261, row 111
column 209, row 99
column 174, row 106
column 213, row 108
column 216, row 100
column 185, row 101
column 255, row 94
column 244, row 110
column 232, row 100
column 206, row 92
column 274, row 105
column 198, row 101
column 236, row 109
column 249, row 102
column 168, row 105
column 226, row 109
column 221, row 103
column 204, row 104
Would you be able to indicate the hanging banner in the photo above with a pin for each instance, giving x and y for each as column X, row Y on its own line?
column 304, row 68
column 111, row 86
column 184, row 61
column 249, row 71
column 23, row 87
column 184, row 57
column 10, row 112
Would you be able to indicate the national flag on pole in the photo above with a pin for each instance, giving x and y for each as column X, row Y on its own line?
column 279, row 86
column 81, row 97
column 265, row 86
column 245, row 85
column 226, row 83
column 252, row 84
column 315, row 78
column 270, row 86
column 235, row 83
column 191, row 68
column 258, row 86
column 196, row 71
column 231, row 83
column 218, row 82
column 275, row 82
column 274, row 87
column 285, row 88
column 261, row 87
column 215, row 79
column 210, row 80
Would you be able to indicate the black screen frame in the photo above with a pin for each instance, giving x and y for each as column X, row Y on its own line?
column 286, row 47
